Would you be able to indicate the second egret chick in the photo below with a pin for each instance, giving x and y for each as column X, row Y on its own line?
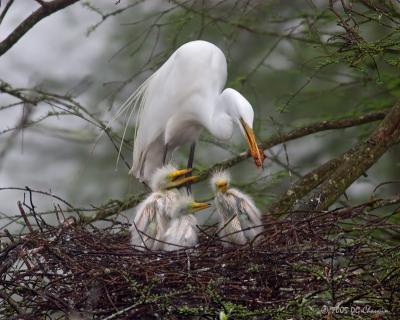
column 153, row 213
column 182, row 229
column 240, row 220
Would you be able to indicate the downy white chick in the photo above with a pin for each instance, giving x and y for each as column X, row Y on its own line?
column 182, row 228
column 153, row 213
column 236, row 211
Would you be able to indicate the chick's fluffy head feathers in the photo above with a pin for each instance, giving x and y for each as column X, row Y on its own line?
column 220, row 180
column 161, row 177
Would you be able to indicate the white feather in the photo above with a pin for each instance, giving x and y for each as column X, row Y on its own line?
column 159, row 179
column 239, row 218
column 181, row 231
column 218, row 177
column 154, row 213
column 181, row 98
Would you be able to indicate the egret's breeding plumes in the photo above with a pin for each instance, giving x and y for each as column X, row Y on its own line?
column 240, row 220
column 182, row 231
column 153, row 213
column 184, row 96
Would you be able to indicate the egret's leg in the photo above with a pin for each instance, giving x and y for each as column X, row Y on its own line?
column 190, row 165
column 165, row 154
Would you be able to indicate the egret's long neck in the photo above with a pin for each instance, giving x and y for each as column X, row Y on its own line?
column 217, row 118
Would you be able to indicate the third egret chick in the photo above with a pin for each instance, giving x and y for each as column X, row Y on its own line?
column 236, row 211
column 153, row 213
column 182, row 229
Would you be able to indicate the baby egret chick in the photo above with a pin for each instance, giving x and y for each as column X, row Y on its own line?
column 182, row 229
column 236, row 212
column 153, row 213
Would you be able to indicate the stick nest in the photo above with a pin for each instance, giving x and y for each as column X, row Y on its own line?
column 300, row 268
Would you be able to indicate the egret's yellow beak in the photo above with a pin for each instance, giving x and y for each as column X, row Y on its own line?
column 255, row 152
column 222, row 186
column 178, row 178
column 197, row 206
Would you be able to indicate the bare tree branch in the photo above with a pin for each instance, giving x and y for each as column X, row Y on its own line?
column 5, row 10
column 359, row 159
column 304, row 185
column 46, row 9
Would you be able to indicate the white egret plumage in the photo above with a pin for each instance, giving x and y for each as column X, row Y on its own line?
column 182, row 231
column 153, row 213
column 184, row 96
column 240, row 220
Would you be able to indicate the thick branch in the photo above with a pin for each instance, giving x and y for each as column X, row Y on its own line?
column 323, row 126
column 304, row 185
column 360, row 159
column 46, row 9
column 113, row 207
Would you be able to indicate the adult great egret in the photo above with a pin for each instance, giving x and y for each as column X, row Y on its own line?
column 153, row 213
column 182, row 228
column 240, row 220
column 184, row 96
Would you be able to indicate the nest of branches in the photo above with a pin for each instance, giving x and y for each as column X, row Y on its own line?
column 300, row 267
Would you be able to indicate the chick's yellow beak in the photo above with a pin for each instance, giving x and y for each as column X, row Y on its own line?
column 179, row 173
column 197, row 206
column 178, row 178
column 255, row 152
column 222, row 186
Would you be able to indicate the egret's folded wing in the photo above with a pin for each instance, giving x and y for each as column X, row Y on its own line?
column 246, row 206
column 247, row 213
column 190, row 237
column 172, row 235
column 156, row 106
column 145, row 222
column 233, row 231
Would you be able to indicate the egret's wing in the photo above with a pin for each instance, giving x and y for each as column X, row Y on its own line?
column 157, row 105
column 163, row 220
column 248, row 214
column 225, row 207
column 233, row 231
column 246, row 206
column 190, row 236
column 171, row 196
column 146, row 225
column 181, row 232
column 190, row 239
column 172, row 235
column 230, row 226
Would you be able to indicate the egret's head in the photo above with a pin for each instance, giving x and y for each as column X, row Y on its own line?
column 186, row 205
column 220, row 181
column 169, row 177
column 242, row 114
